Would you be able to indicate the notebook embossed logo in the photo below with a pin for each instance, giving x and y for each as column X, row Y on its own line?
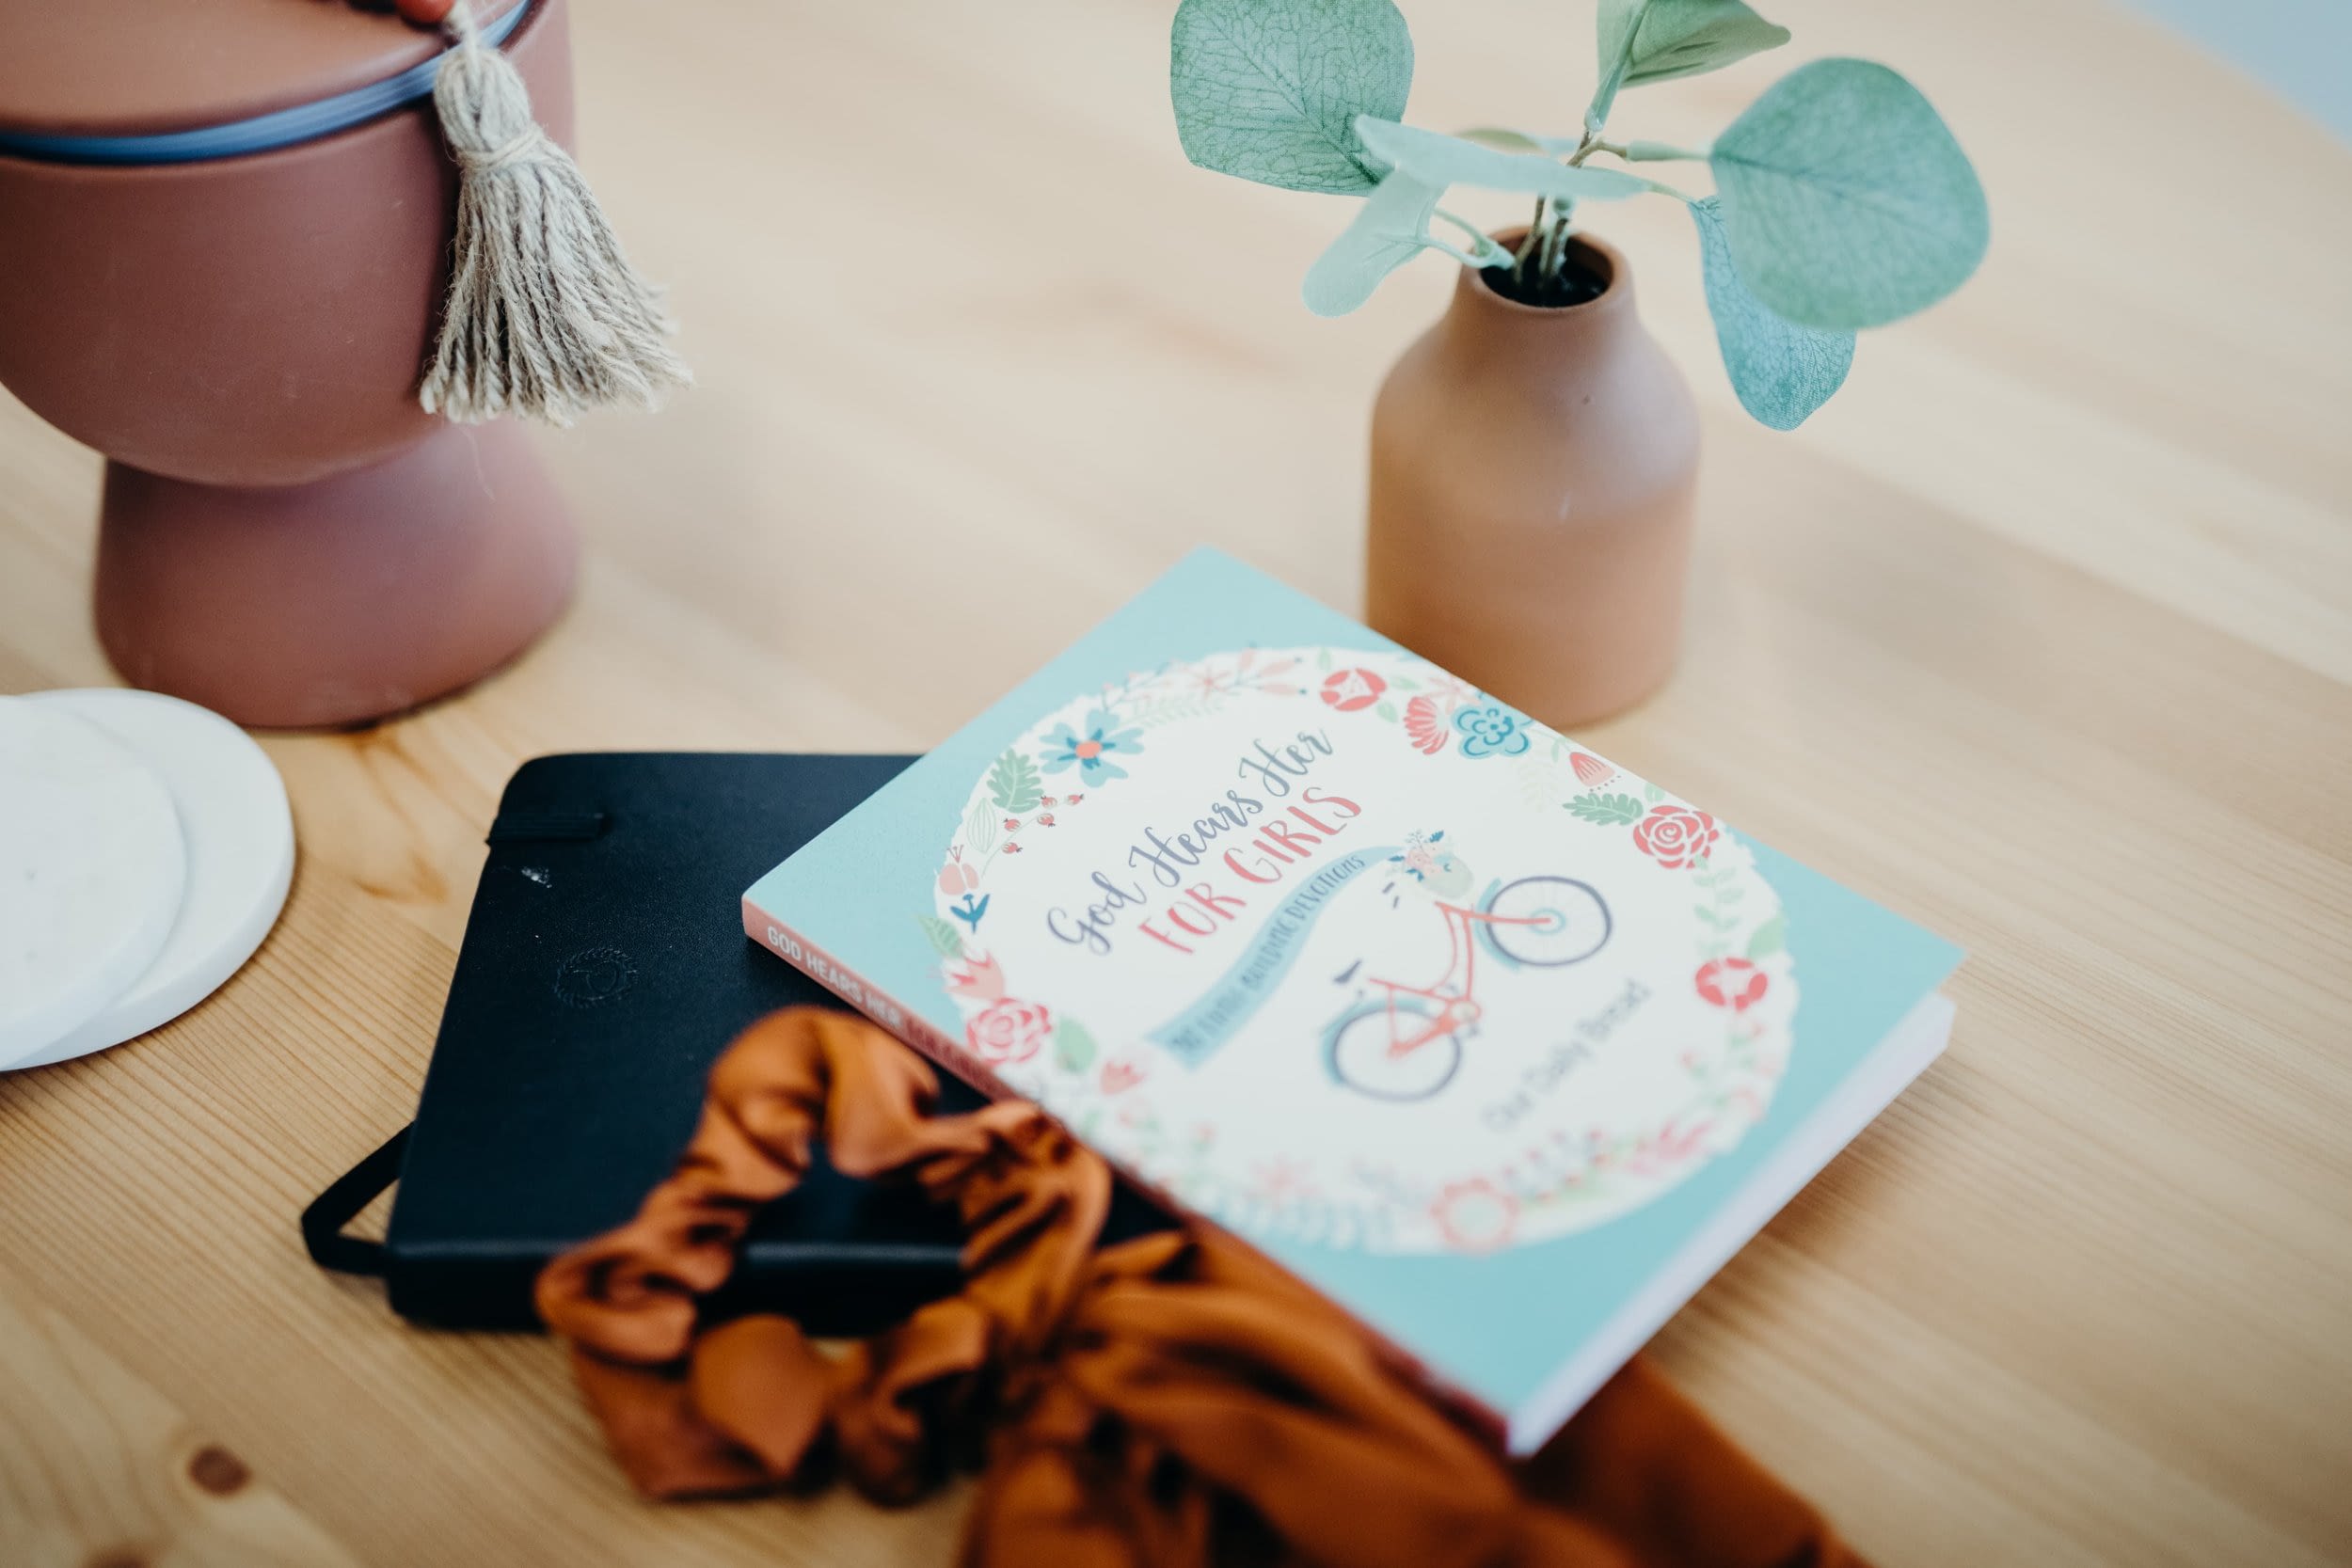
column 594, row 976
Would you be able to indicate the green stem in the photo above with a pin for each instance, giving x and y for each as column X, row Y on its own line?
column 1473, row 263
column 1527, row 241
column 1656, row 152
column 1555, row 245
column 1605, row 95
column 1489, row 254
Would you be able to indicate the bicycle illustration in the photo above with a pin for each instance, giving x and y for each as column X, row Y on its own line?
column 1406, row 1043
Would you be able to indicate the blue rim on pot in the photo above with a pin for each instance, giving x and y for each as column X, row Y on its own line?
column 303, row 122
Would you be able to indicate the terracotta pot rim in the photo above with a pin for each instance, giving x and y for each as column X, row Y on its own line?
column 1617, row 286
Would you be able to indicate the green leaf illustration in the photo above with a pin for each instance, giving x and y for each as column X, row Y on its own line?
column 1652, row 793
column 1269, row 89
column 1845, row 201
column 945, row 940
column 980, row 827
column 1015, row 785
column 1073, row 1048
column 1442, row 160
column 1781, row 371
column 1675, row 37
column 1390, row 229
column 1769, row 937
column 1386, row 710
column 1611, row 811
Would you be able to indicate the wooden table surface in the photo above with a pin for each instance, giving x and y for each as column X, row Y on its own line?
column 2040, row 633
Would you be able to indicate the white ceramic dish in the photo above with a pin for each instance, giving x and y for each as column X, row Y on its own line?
column 92, row 866
column 240, row 845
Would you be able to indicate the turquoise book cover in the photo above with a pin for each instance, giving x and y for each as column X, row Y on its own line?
column 1500, row 1046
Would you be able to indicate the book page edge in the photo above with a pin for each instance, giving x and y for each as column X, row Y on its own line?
column 1900, row 1059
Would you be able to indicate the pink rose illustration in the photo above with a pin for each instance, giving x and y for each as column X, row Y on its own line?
column 1008, row 1031
column 1352, row 690
column 1676, row 835
column 1733, row 983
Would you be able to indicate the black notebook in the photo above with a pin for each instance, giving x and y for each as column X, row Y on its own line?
column 604, row 968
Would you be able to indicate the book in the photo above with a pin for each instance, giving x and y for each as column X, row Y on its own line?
column 601, row 973
column 1502, row 1048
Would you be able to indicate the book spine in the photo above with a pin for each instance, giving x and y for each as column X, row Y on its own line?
column 886, row 1010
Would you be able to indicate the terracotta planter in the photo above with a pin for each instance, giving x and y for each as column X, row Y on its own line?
column 285, row 535
column 1533, row 474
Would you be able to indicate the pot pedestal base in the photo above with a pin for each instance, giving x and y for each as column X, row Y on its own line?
column 339, row 601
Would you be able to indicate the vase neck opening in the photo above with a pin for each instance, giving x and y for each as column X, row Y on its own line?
column 1490, row 323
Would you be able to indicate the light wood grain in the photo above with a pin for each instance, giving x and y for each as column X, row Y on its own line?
column 97, row 1467
column 2040, row 633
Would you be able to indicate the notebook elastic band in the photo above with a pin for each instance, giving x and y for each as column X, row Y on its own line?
column 322, row 1222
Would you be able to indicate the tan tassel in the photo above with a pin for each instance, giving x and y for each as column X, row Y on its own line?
column 544, row 316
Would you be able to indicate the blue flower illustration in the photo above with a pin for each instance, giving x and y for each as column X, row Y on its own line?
column 1491, row 730
column 1089, row 748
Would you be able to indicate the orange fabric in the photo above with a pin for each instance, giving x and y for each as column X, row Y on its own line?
column 1171, row 1402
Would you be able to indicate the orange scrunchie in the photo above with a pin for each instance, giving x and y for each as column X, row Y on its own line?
column 1173, row 1401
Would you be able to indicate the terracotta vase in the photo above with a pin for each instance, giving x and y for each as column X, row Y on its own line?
column 1534, row 475
column 285, row 535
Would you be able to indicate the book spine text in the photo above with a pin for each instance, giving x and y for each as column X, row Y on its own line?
column 893, row 1015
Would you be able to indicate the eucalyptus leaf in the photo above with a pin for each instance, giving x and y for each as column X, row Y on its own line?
column 1390, row 229
column 1269, row 89
column 1781, row 371
column 1846, row 201
column 1656, row 40
column 1442, row 160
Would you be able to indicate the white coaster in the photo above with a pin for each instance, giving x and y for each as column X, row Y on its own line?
column 92, row 870
column 240, row 855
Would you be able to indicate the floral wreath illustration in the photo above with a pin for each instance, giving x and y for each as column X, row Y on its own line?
column 1742, row 973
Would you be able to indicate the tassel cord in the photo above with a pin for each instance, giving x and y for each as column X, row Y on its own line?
column 545, row 317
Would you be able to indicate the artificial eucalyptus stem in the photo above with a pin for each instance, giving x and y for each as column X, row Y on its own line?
column 1527, row 241
column 1841, row 200
column 1612, row 74
column 1484, row 251
column 1656, row 152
